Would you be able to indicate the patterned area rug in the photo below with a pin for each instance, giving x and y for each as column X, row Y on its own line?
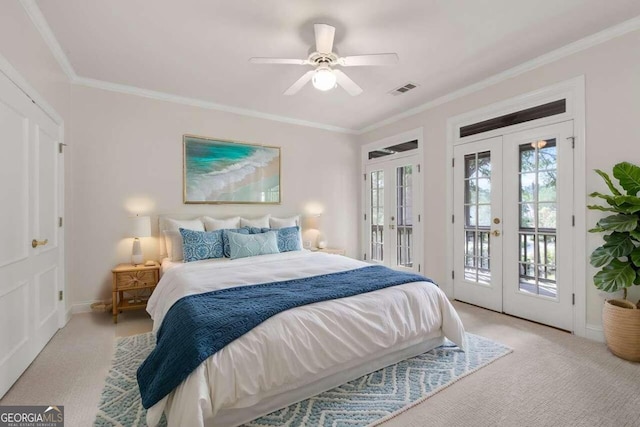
column 368, row 400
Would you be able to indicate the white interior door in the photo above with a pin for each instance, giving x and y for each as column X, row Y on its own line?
column 478, row 223
column 513, row 212
column 393, row 216
column 30, row 190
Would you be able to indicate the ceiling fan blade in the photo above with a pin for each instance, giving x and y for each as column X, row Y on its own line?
column 347, row 84
column 364, row 60
column 324, row 37
column 299, row 84
column 278, row 61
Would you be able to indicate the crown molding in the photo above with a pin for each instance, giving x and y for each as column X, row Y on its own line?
column 194, row 102
column 39, row 21
column 42, row 26
column 555, row 55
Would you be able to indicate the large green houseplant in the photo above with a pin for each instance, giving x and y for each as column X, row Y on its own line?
column 619, row 258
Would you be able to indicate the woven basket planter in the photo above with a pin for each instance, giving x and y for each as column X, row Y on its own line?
column 621, row 324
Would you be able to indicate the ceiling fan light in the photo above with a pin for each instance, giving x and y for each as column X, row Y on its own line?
column 324, row 79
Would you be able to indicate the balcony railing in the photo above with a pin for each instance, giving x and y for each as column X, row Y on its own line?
column 478, row 260
column 404, row 244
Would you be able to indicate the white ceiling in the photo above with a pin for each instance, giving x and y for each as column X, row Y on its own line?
column 200, row 48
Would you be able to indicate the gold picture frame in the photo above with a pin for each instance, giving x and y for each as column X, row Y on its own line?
column 219, row 171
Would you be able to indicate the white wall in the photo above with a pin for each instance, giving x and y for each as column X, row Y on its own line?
column 612, row 72
column 128, row 159
column 125, row 156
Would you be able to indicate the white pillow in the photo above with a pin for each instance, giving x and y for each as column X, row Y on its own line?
column 262, row 222
column 189, row 224
column 173, row 241
column 284, row 222
column 212, row 224
column 175, row 248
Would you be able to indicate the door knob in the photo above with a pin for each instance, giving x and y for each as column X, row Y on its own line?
column 391, row 226
column 495, row 233
column 35, row 243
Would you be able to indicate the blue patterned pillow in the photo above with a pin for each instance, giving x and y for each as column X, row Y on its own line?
column 256, row 230
column 198, row 245
column 243, row 245
column 288, row 237
column 225, row 238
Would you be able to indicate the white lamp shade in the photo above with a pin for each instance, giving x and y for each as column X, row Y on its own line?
column 140, row 226
column 311, row 222
column 324, row 79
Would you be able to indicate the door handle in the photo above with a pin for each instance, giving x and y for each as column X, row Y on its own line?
column 35, row 243
column 495, row 233
column 391, row 226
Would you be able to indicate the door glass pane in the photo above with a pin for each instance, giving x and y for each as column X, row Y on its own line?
column 538, row 226
column 404, row 216
column 377, row 215
column 484, row 190
column 484, row 215
column 477, row 221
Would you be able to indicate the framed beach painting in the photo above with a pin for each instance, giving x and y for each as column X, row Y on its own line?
column 219, row 171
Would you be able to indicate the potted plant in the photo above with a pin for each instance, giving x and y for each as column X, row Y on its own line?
column 619, row 259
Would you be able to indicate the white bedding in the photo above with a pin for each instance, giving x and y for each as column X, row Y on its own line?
column 167, row 264
column 298, row 346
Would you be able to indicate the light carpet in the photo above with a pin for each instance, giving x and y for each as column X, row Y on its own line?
column 368, row 400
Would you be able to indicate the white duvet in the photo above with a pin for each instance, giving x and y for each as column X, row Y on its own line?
column 297, row 346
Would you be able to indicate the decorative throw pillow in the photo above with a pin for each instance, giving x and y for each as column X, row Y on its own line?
column 257, row 230
column 276, row 223
column 199, row 245
column 173, row 241
column 262, row 222
column 288, row 237
column 243, row 245
column 212, row 224
column 225, row 239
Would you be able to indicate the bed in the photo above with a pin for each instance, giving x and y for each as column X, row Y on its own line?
column 299, row 352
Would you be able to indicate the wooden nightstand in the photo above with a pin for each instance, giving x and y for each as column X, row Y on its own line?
column 335, row 251
column 132, row 286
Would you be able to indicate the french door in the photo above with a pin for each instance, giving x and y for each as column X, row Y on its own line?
column 513, row 212
column 31, row 258
column 392, row 217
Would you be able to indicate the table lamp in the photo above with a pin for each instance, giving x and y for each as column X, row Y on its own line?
column 312, row 222
column 139, row 226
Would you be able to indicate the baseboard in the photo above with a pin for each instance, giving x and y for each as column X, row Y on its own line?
column 82, row 307
column 594, row 332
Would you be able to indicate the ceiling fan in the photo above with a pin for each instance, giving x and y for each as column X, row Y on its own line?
column 324, row 76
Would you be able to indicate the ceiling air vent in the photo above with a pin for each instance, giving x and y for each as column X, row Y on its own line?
column 403, row 89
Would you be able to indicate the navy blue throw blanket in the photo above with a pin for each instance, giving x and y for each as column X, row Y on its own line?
column 197, row 326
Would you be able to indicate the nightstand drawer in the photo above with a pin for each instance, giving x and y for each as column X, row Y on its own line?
column 136, row 279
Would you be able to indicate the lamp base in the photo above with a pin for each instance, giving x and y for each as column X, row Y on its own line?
column 136, row 252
